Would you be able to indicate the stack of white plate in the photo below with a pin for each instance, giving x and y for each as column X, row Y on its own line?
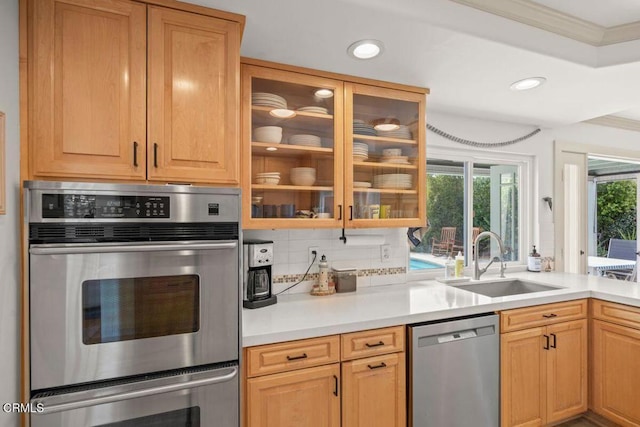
column 306, row 140
column 402, row 132
column 360, row 151
column 271, row 134
column 361, row 184
column 314, row 109
column 362, row 128
column 303, row 176
column 271, row 178
column 265, row 99
column 393, row 180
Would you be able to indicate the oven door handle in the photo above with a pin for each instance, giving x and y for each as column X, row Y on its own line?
column 68, row 403
column 76, row 248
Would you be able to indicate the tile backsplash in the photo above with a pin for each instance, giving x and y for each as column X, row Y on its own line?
column 291, row 255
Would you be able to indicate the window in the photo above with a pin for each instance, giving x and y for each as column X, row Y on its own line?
column 468, row 193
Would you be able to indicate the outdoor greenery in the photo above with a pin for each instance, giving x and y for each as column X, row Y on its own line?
column 617, row 212
column 445, row 203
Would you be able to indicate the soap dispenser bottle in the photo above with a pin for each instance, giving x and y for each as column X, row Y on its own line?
column 459, row 264
column 534, row 262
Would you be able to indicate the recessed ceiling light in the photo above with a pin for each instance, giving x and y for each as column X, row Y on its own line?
column 529, row 83
column 365, row 49
column 282, row 113
column 324, row 93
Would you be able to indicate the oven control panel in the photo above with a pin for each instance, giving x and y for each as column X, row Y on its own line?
column 76, row 206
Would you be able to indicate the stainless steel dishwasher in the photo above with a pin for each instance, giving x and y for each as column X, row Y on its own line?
column 454, row 372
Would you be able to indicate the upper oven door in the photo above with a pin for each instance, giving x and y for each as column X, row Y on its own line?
column 101, row 311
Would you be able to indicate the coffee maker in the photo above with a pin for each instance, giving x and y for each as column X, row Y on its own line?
column 257, row 261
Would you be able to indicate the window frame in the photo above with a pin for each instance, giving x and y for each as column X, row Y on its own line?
column 526, row 164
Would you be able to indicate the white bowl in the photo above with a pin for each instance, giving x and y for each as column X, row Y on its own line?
column 269, row 180
column 388, row 152
column 303, row 180
column 303, row 170
column 272, row 134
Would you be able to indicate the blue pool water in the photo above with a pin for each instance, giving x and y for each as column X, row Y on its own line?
column 418, row 264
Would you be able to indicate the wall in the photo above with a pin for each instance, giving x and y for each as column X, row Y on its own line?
column 9, row 223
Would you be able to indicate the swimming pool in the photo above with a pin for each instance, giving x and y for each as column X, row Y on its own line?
column 419, row 264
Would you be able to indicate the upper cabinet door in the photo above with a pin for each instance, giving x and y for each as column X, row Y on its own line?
column 194, row 88
column 385, row 157
column 87, row 78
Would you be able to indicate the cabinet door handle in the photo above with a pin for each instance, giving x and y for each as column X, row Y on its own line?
column 135, row 153
column 335, row 385
column 155, row 155
column 549, row 316
column 350, row 212
column 553, row 345
column 303, row 356
column 378, row 344
column 546, row 345
column 340, row 212
column 381, row 365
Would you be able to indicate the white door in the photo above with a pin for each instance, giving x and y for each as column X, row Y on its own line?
column 570, row 214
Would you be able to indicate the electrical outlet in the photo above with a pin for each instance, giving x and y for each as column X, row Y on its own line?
column 385, row 253
column 313, row 249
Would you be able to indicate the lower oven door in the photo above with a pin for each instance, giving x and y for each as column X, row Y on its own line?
column 103, row 311
column 205, row 398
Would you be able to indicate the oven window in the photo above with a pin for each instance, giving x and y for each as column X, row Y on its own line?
column 189, row 417
column 142, row 307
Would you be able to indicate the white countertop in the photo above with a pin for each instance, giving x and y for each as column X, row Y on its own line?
column 301, row 316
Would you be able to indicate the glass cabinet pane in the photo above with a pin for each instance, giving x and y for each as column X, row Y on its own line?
column 386, row 158
column 295, row 135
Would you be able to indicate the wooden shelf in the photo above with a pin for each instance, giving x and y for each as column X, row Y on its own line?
column 383, row 139
column 287, row 150
column 384, row 191
column 266, row 187
column 376, row 165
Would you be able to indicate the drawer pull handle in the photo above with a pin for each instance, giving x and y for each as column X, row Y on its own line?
column 335, row 385
column 554, row 341
column 303, row 356
column 381, row 365
column 549, row 316
column 546, row 345
column 378, row 344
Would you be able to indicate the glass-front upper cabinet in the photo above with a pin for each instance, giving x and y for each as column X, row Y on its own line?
column 292, row 132
column 385, row 157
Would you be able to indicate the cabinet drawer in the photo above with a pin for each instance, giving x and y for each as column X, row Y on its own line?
column 372, row 342
column 288, row 356
column 616, row 313
column 539, row 315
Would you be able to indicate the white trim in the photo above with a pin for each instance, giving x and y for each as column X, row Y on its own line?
column 616, row 122
column 552, row 20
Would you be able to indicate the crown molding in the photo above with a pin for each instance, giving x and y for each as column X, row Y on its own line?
column 554, row 21
column 616, row 122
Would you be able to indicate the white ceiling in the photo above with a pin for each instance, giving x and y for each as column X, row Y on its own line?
column 467, row 57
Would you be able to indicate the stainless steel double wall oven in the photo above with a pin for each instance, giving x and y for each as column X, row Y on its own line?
column 134, row 301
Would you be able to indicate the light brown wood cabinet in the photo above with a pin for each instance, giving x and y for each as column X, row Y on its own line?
column 543, row 368
column 361, row 177
column 616, row 362
column 119, row 90
column 302, row 384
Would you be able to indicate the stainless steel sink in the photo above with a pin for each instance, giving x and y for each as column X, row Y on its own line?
column 503, row 288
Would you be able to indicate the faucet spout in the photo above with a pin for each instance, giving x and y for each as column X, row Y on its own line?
column 477, row 271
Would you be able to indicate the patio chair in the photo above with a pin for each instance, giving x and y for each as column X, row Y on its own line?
column 622, row 249
column 444, row 245
column 459, row 246
column 621, row 275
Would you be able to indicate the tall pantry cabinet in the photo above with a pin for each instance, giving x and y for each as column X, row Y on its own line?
column 122, row 90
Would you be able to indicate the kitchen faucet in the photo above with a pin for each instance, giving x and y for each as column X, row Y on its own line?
column 477, row 272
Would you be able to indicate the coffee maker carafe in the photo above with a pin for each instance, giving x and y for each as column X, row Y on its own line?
column 257, row 261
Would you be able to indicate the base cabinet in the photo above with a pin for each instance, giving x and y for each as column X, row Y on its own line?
column 544, row 371
column 373, row 392
column 305, row 398
column 303, row 384
column 616, row 372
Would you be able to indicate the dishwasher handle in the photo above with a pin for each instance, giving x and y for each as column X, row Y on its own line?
column 460, row 335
